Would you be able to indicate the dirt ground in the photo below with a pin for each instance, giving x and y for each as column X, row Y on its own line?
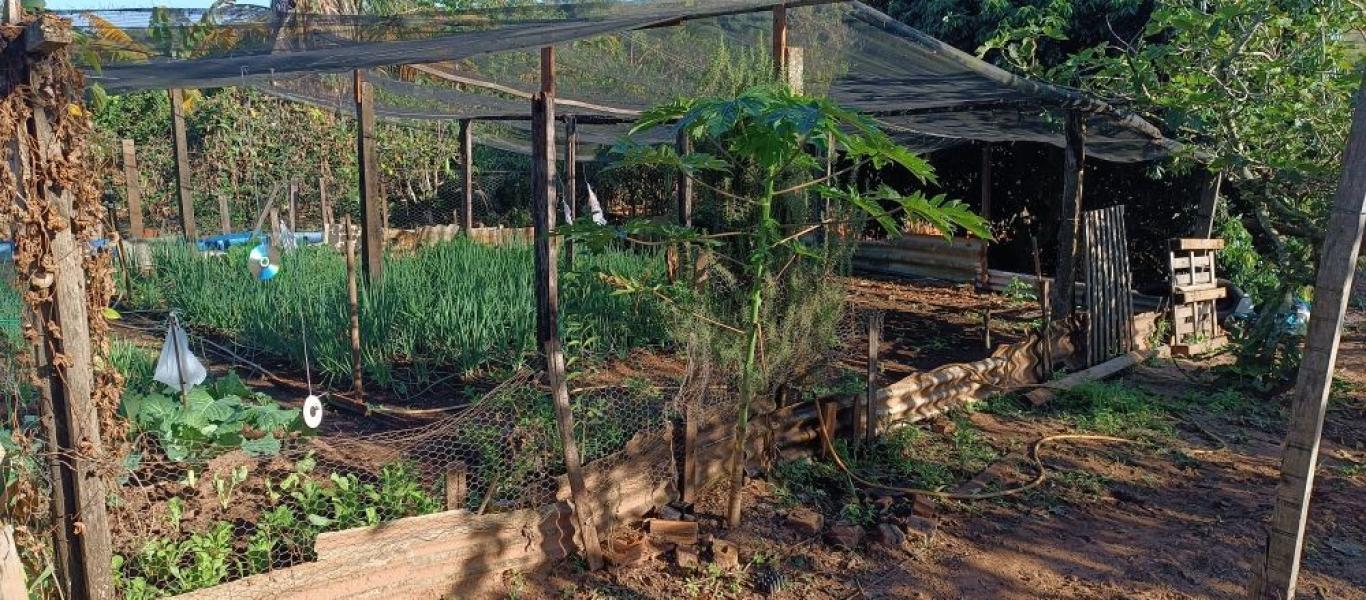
column 1177, row 517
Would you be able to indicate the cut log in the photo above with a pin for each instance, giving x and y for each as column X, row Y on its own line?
column 678, row 532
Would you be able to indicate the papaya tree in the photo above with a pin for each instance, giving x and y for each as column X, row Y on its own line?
column 758, row 150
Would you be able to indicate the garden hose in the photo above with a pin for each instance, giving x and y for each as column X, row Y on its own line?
column 1033, row 456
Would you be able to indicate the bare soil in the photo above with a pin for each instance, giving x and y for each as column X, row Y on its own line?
column 1179, row 518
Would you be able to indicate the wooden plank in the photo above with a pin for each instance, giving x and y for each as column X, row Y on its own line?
column 1276, row 572
column 13, row 584
column 692, row 417
column 371, row 202
column 420, row 558
column 678, row 532
column 467, row 171
column 83, row 447
column 1201, row 347
column 1108, row 368
column 984, row 185
column 1188, row 244
column 1089, row 275
column 1198, row 294
column 132, row 189
column 182, row 167
column 547, row 312
column 1074, row 157
column 1199, row 261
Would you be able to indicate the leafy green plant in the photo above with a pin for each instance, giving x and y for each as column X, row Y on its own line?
column 1112, row 408
column 770, row 144
column 212, row 419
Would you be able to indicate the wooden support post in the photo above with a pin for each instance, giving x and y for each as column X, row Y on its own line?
column 457, row 486
column 548, row 70
column 224, row 213
column 182, row 167
column 830, row 414
column 984, row 278
column 1069, row 219
column 1044, row 292
column 14, row 12
column 329, row 220
column 1209, row 202
column 353, row 306
column 683, row 186
column 779, row 42
column 71, row 386
column 372, row 205
column 547, row 313
column 275, row 234
column 293, row 206
column 467, row 169
column 1275, row 576
column 571, row 177
column 691, row 417
column 874, row 347
column 133, row 189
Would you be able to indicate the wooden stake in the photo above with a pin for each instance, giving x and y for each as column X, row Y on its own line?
column 547, row 313
column 467, row 167
column 293, row 206
column 182, row 167
column 133, row 189
column 457, row 486
column 1279, row 568
column 372, row 209
column 1073, row 171
column 691, row 423
column 548, row 70
column 874, row 347
column 779, row 41
column 224, row 214
column 682, row 185
column 353, row 306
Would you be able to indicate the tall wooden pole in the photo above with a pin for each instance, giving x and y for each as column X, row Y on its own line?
column 71, row 386
column 571, row 179
column 353, row 306
column 1069, row 223
column 1209, row 201
column 984, row 277
column 467, row 168
column 182, row 166
column 372, row 209
column 683, row 185
column 1276, row 577
column 133, row 189
column 547, row 314
column 780, row 42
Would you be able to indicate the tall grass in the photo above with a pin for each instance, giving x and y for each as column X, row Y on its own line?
column 11, row 304
column 454, row 306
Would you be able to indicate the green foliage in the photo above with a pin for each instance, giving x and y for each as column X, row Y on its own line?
column 210, row 420
column 136, row 364
column 456, row 306
column 302, row 506
column 1113, row 408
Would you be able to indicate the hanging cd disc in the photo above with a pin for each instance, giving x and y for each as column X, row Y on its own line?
column 264, row 262
column 313, row 411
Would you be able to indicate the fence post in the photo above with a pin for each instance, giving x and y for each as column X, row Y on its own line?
column 780, row 42
column 353, row 306
column 684, row 189
column 372, row 210
column 70, row 386
column 182, row 167
column 874, row 345
column 467, row 164
column 1279, row 567
column 571, row 175
column 1065, row 279
column 133, row 188
column 547, row 312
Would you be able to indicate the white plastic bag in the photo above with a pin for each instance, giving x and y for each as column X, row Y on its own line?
column 594, row 207
column 177, row 366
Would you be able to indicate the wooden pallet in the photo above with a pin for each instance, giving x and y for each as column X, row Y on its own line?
column 1195, row 290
